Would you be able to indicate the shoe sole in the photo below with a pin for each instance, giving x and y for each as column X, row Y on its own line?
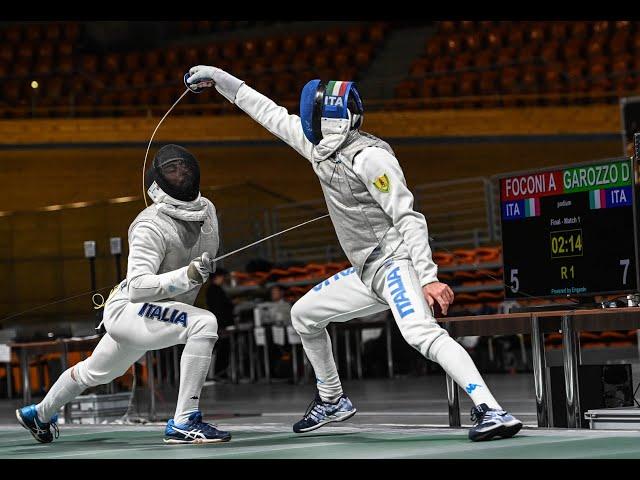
column 338, row 419
column 21, row 422
column 503, row 431
column 175, row 441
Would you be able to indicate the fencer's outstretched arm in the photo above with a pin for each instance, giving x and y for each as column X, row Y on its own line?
column 146, row 251
column 262, row 109
column 397, row 202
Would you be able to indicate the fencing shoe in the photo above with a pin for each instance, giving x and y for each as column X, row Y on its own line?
column 194, row 431
column 41, row 431
column 320, row 413
column 490, row 423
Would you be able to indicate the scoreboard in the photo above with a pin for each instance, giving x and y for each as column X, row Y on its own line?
column 570, row 231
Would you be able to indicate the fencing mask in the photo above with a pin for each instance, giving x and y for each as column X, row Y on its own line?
column 176, row 172
column 334, row 108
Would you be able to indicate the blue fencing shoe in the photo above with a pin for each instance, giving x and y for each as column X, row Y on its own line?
column 194, row 431
column 41, row 431
column 320, row 413
column 491, row 423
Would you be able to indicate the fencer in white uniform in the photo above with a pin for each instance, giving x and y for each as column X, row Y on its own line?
column 384, row 238
column 171, row 246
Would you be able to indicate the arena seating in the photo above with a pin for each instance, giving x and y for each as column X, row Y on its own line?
column 555, row 59
column 101, row 84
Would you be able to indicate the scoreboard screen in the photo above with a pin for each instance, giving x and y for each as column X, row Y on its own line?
column 570, row 231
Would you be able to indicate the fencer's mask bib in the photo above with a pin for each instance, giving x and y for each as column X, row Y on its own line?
column 176, row 171
column 331, row 109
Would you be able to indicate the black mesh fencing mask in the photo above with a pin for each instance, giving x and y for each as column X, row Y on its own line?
column 176, row 171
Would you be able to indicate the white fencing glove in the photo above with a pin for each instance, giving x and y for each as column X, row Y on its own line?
column 203, row 76
column 200, row 268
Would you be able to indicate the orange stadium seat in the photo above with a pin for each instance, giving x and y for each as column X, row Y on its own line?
column 363, row 55
column 71, row 31
column 13, row 35
column 355, row 35
column 447, row 27
column 45, row 50
column 494, row 40
column 515, row 38
column 462, row 61
column 466, row 25
column 25, row 51
column 452, row 45
column 472, row 42
column 601, row 28
column 151, row 59
column 619, row 43
column 33, row 33
column 377, row 32
column 52, row 32
column 434, row 47
column 289, row 44
column 6, row 52
column 270, row 47
column 43, row 66
column 579, row 30
column 190, row 55
column 331, row 39
column 230, row 50
column 536, row 34
column 65, row 49
column 466, row 298
column 171, row 56
column 111, row 63
column 484, row 59
column 468, row 84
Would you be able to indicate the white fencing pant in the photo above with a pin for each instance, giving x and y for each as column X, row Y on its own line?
column 396, row 285
column 343, row 297
column 134, row 328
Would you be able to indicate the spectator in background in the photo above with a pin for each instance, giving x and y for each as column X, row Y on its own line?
column 280, row 309
column 221, row 306
column 275, row 314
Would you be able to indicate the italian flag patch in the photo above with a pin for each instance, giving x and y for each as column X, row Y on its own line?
column 597, row 199
column 336, row 88
column 532, row 207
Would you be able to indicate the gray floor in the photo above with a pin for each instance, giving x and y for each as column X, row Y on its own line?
column 403, row 418
column 410, row 400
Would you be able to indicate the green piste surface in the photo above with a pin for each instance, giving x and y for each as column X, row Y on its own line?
column 135, row 442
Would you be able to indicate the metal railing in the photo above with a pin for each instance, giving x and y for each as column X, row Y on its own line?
column 458, row 212
column 316, row 242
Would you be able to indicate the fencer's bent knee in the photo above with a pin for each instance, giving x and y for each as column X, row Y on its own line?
column 206, row 325
column 87, row 375
column 301, row 321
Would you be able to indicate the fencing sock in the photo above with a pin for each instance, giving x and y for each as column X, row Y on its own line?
column 194, row 365
column 318, row 350
column 63, row 391
column 458, row 364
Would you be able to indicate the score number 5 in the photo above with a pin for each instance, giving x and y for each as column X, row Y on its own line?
column 515, row 283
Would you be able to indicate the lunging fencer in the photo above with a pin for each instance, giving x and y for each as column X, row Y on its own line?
column 383, row 237
column 171, row 246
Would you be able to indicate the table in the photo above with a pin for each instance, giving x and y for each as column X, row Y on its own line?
column 570, row 322
column 63, row 346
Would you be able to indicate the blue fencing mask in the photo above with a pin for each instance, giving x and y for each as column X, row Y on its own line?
column 331, row 109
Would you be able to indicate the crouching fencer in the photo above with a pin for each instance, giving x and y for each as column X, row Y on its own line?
column 383, row 237
column 171, row 246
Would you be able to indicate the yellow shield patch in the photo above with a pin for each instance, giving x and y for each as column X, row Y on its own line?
column 382, row 183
